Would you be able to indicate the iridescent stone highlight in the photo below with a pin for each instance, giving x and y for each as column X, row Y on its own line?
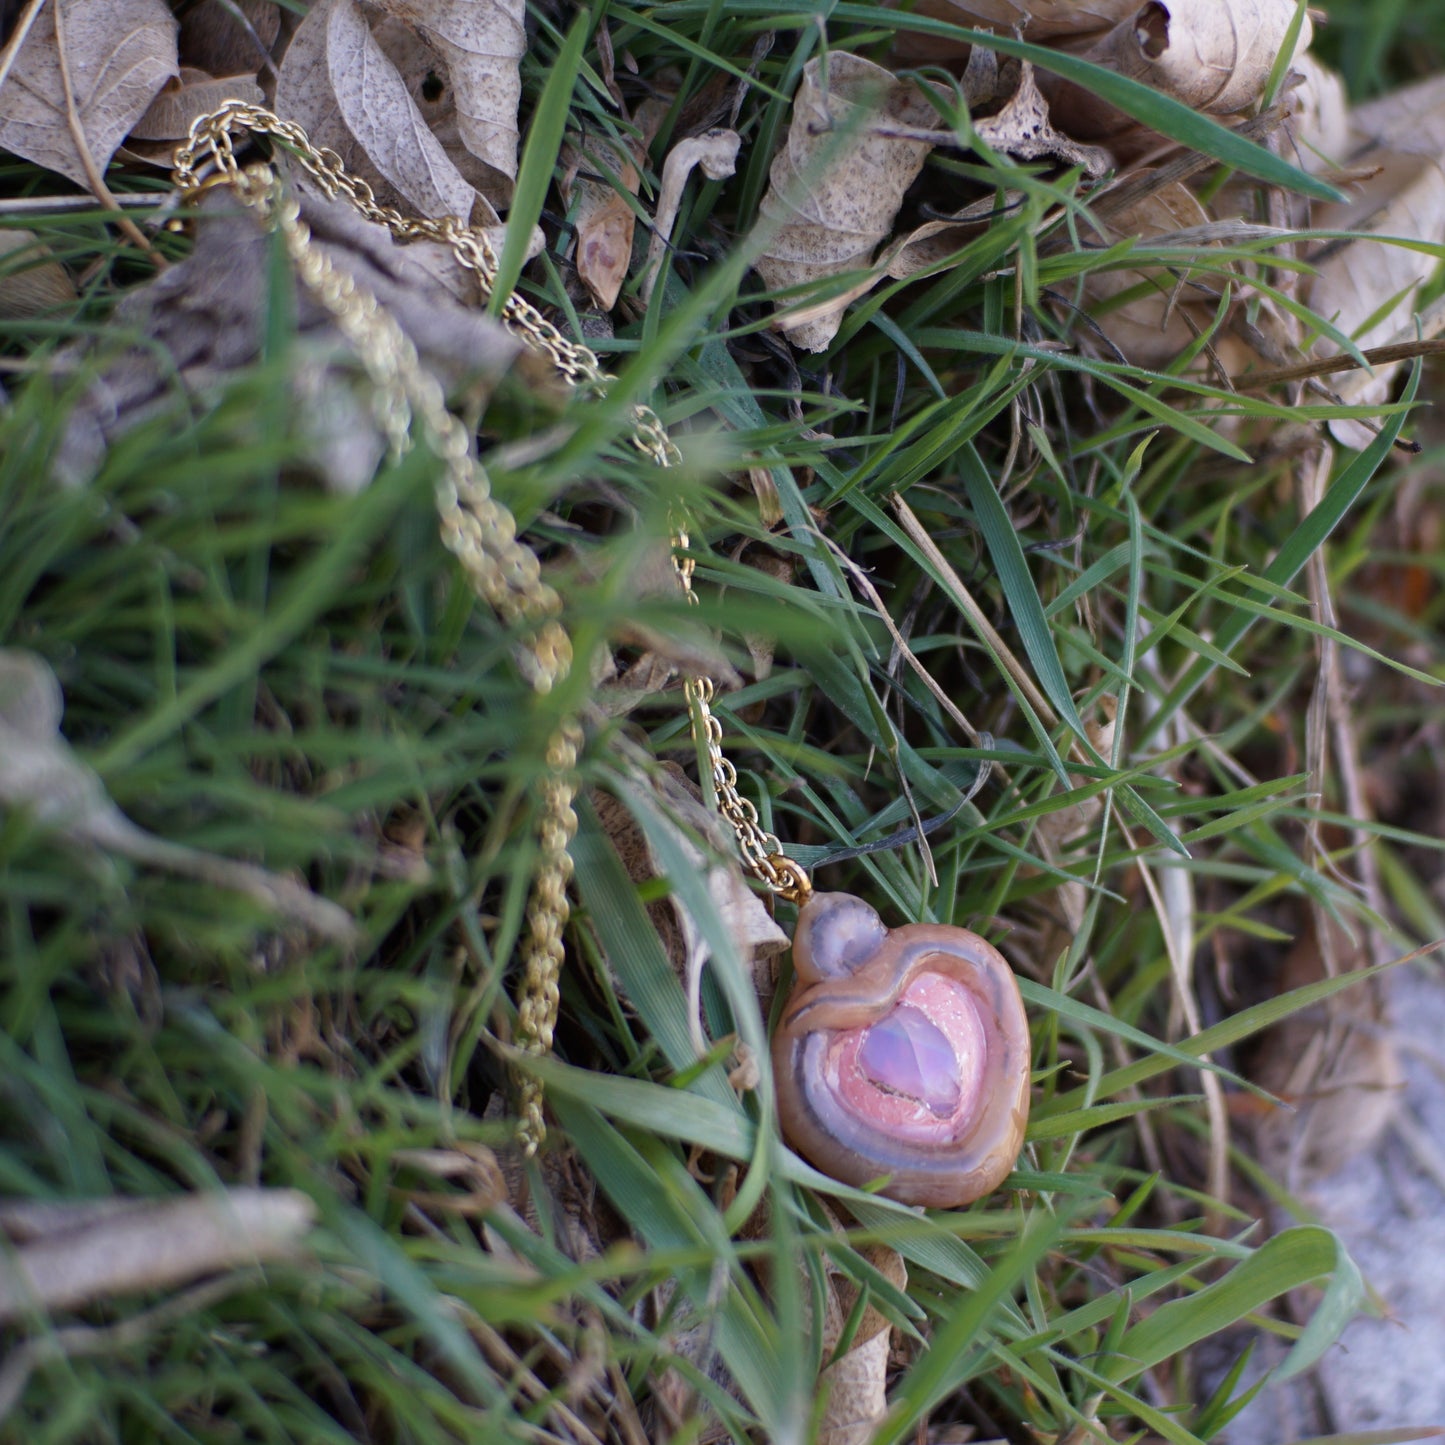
column 907, row 1054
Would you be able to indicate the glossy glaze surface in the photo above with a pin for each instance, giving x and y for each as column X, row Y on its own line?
column 902, row 1052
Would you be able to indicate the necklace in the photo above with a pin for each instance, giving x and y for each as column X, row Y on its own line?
column 901, row 1053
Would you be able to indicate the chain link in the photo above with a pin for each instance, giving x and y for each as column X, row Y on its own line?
column 477, row 529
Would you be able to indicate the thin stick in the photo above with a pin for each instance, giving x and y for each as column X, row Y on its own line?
column 17, row 38
column 82, row 147
column 1327, row 365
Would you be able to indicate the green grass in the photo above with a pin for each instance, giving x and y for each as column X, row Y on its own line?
column 275, row 674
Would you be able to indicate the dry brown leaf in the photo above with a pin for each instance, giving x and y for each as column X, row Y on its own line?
column 32, row 281
column 187, row 95
column 856, row 1382
column 934, row 242
column 1319, row 114
column 1035, row 19
column 478, row 46
column 339, row 84
column 69, row 1254
column 118, row 54
column 1022, row 129
column 717, row 153
column 1153, row 329
column 1336, row 1064
column 229, row 37
column 1400, row 138
column 1213, row 55
column 603, row 220
column 202, row 322
column 837, row 183
column 40, row 773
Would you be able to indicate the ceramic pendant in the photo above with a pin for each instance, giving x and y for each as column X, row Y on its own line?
column 901, row 1052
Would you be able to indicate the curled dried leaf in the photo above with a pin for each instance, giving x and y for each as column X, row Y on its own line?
column 1213, row 55
column 1022, row 129
column 229, row 37
column 478, row 45
column 838, row 182
column 1034, row 19
column 603, row 220
column 1370, row 288
column 340, row 85
column 32, row 281
column 116, row 56
column 40, row 773
column 856, row 1382
column 1151, row 329
column 717, row 153
column 187, row 95
column 70, row 1254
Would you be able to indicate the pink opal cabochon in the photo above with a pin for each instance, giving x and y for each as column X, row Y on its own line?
column 902, row 1052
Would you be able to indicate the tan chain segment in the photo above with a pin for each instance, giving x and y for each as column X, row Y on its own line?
column 477, row 529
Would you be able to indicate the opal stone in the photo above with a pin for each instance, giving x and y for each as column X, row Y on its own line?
column 907, row 1054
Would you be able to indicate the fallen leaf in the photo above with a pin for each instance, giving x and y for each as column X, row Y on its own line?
column 32, row 281
column 480, row 44
column 187, row 95
column 202, row 322
column 1335, row 1064
column 1152, row 329
column 229, row 37
column 117, row 55
column 603, row 220
column 63, row 1255
column 935, row 243
column 856, row 1382
column 1022, row 129
column 339, row 84
column 1397, row 140
column 40, row 774
column 1213, row 55
column 1036, row 20
column 838, row 182
column 717, row 153
column 1319, row 114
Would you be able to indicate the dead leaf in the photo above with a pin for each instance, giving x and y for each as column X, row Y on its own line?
column 118, row 55
column 1213, row 55
column 339, row 84
column 1319, row 114
column 1152, row 329
column 1022, row 129
column 1397, row 140
column 1336, row 1064
column 603, row 220
column 837, row 183
column 187, row 95
column 479, row 45
column 1036, row 20
column 717, row 153
column 229, row 37
column 935, row 242
column 67, row 1254
column 202, row 323
column 856, row 1382
column 41, row 774
column 32, row 281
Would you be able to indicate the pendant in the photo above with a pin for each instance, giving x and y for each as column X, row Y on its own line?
column 901, row 1052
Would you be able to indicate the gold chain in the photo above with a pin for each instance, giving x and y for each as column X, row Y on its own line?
column 477, row 529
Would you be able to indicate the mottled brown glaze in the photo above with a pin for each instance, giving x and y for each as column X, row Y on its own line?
column 851, row 973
